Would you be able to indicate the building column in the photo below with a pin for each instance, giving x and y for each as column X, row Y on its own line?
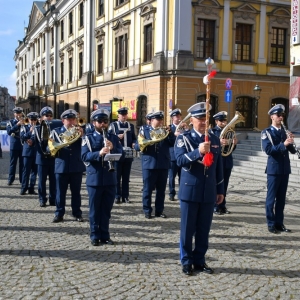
column 262, row 35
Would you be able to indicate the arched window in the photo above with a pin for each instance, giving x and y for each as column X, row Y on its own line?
column 141, row 110
column 67, row 106
column 76, row 106
column 214, row 106
column 246, row 106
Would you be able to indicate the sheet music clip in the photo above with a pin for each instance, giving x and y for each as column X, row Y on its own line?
column 112, row 157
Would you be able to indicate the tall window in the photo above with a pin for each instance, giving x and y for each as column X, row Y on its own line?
column 81, row 13
column 278, row 45
column 70, row 69
column 52, row 36
column 246, row 106
column 38, row 77
column 100, row 59
column 62, row 32
column 205, row 44
column 62, row 73
column 119, row 2
column 121, row 46
column 25, row 61
column 80, row 64
column 148, row 43
column 39, row 47
column 243, row 42
column 71, row 22
column 44, row 42
column 44, row 75
column 100, row 8
column 33, row 81
column 52, row 74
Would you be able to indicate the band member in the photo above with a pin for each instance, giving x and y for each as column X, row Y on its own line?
column 29, row 155
column 277, row 146
column 221, row 122
column 100, row 181
column 174, row 169
column 68, row 170
column 200, row 188
column 125, row 132
column 16, row 148
column 155, row 165
column 45, row 164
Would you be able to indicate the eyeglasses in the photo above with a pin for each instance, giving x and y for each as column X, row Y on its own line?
column 281, row 115
column 222, row 120
column 105, row 121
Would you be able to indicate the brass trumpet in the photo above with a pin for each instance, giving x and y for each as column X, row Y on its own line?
column 81, row 122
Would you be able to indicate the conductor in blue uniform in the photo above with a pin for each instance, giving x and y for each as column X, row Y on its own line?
column 200, row 188
column 174, row 168
column 29, row 154
column 101, row 179
column 155, row 163
column 68, row 169
column 125, row 132
column 221, row 122
column 277, row 146
column 13, row 130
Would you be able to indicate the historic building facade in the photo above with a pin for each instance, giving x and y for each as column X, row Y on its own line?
column 149, row 55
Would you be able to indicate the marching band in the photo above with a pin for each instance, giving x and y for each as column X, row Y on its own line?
column 63, row 150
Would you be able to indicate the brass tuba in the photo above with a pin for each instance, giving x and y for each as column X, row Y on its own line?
column 228, row 133
column 157, row 135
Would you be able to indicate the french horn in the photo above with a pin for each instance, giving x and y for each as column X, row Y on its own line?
column 157, row 135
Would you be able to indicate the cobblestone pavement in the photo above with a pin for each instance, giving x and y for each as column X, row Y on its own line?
column 42, row 260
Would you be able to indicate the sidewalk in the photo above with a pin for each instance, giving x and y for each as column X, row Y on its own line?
column 43, row 260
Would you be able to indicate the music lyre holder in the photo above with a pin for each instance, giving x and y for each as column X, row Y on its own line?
column 112, row 156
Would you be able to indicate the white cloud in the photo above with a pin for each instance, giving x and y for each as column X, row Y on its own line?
column 6, row 32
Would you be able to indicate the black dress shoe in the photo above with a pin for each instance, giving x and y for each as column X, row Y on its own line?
column 172, row 198
column 107, row 242
column 272, row 229
column 22, row 192
column 225, row 211
column 52, row 204
column 42, row 204
column 117, row 201
column 282, row 228
column 148, row 216
column 32, row 192
column 160, row 215
column 57, row 219
column 125, row 200
column 203, row 268
column 9, row 183
column 218, row 211
column 95, row 242
column 187, row 269
column 79, row 219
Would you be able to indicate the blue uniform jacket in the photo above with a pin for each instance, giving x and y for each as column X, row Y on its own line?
column 14, row 131
column 97, row 169
column 227, row 160
column 196, row 183
column 68, row 159
column 278, row 155
column 26, row 134
column 171, row 149
column 119, row 128
column 156, row 156
column 41, row 158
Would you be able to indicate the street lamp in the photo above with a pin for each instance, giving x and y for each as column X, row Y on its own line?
column 257, row 90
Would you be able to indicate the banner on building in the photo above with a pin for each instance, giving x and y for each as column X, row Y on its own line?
column 104, row 106
column 131, row 104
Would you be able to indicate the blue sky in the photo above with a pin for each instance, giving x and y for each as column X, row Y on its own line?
column 13, row 15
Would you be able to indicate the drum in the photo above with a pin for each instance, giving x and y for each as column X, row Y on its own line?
column 128, row 152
